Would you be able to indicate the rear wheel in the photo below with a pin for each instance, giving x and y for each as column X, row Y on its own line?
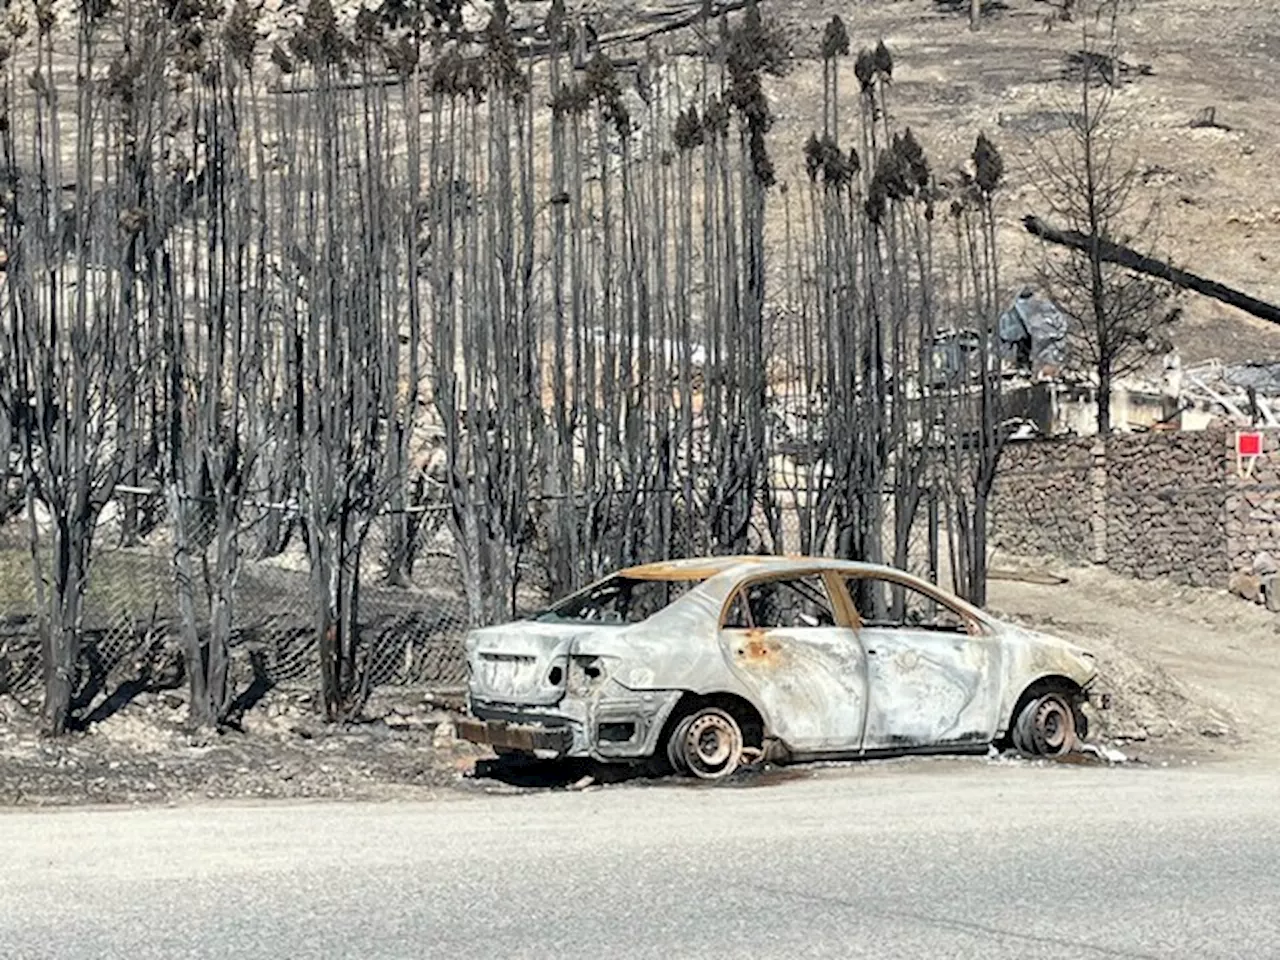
column 675, row 750
column 707, row 743
column 1046, row 726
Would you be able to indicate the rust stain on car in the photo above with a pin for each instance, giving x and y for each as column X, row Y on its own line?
column 757, row 649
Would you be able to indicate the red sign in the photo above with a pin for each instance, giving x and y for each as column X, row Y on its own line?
column 1248, row 444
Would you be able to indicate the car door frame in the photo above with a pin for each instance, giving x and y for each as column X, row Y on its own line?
column 742, row 661
column 977, row 630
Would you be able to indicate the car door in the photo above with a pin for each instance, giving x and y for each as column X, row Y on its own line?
column 933, row 673
column 797, row 654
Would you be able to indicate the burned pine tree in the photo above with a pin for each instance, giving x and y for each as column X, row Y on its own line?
column 974, row 431
column 568, row 102
column 68, row 345
column 485, row 368
column 869, row 321
column 402, row 43
column 911, row 284
column 214, row 290
column 340, row 299
column 827, row 344
column 864, row 400
column 737, row 480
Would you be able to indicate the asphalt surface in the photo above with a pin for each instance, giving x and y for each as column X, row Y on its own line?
column 918, row 859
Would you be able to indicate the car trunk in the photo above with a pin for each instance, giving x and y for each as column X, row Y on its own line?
column 524, row 663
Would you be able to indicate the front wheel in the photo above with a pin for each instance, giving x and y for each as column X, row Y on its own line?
column 707, row 743
column 1046, row 727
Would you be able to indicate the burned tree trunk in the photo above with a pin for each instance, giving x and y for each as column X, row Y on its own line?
column 1133, row 260
column 976, row 433
column 346, row 394
column 67, row 377
column 215, row 341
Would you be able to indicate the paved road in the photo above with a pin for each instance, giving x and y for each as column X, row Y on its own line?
column 923, row 859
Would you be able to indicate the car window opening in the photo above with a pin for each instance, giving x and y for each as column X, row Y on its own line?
column 785, row 604
column 907, row 607
column 617, row 601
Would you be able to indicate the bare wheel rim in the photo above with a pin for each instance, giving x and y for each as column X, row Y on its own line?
column 711, row 745
column 1053, row 726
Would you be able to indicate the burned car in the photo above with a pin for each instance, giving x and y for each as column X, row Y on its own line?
column 703, row 665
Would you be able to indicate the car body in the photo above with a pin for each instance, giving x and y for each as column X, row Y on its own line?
column 785, row 658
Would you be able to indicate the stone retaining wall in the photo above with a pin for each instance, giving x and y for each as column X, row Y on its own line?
column 1040, row 504
column 1253, row 505
column 1147, row 505
column 1166, row 506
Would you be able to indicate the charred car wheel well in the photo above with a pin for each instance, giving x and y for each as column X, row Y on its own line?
column 747, row 716
column 1045, row 685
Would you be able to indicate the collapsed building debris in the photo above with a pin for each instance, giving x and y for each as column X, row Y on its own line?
column 1245, row 392
column 1034, row 332
column 1249, row 393
column 1031, row 332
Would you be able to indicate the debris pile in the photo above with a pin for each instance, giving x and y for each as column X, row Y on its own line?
column 1149, row 705
column 1113, row 71
column 1248, row 392
column 1035, row 332
column 143, row 754
column 1258, row 585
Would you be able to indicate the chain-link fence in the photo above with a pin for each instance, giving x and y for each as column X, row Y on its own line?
column 412, row 612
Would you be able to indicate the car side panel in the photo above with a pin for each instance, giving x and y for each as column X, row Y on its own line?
column 930, row 688
column 810, row 683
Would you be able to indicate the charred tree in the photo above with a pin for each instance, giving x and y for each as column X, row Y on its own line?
column 1129, row 258
column 1120, row 316
column 216, row 337
column 68, row 376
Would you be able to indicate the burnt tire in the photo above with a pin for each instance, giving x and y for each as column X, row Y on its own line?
column 675, row 755
column 1046, row 726
column 707, row 744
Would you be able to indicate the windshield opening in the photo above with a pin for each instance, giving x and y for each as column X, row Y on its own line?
column 618, row 600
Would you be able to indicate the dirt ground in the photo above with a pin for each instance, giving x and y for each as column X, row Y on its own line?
column 1192, row 671
column 143, row 754
column 1217, row 204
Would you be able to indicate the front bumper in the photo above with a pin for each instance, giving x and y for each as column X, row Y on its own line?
column 1100, row 699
